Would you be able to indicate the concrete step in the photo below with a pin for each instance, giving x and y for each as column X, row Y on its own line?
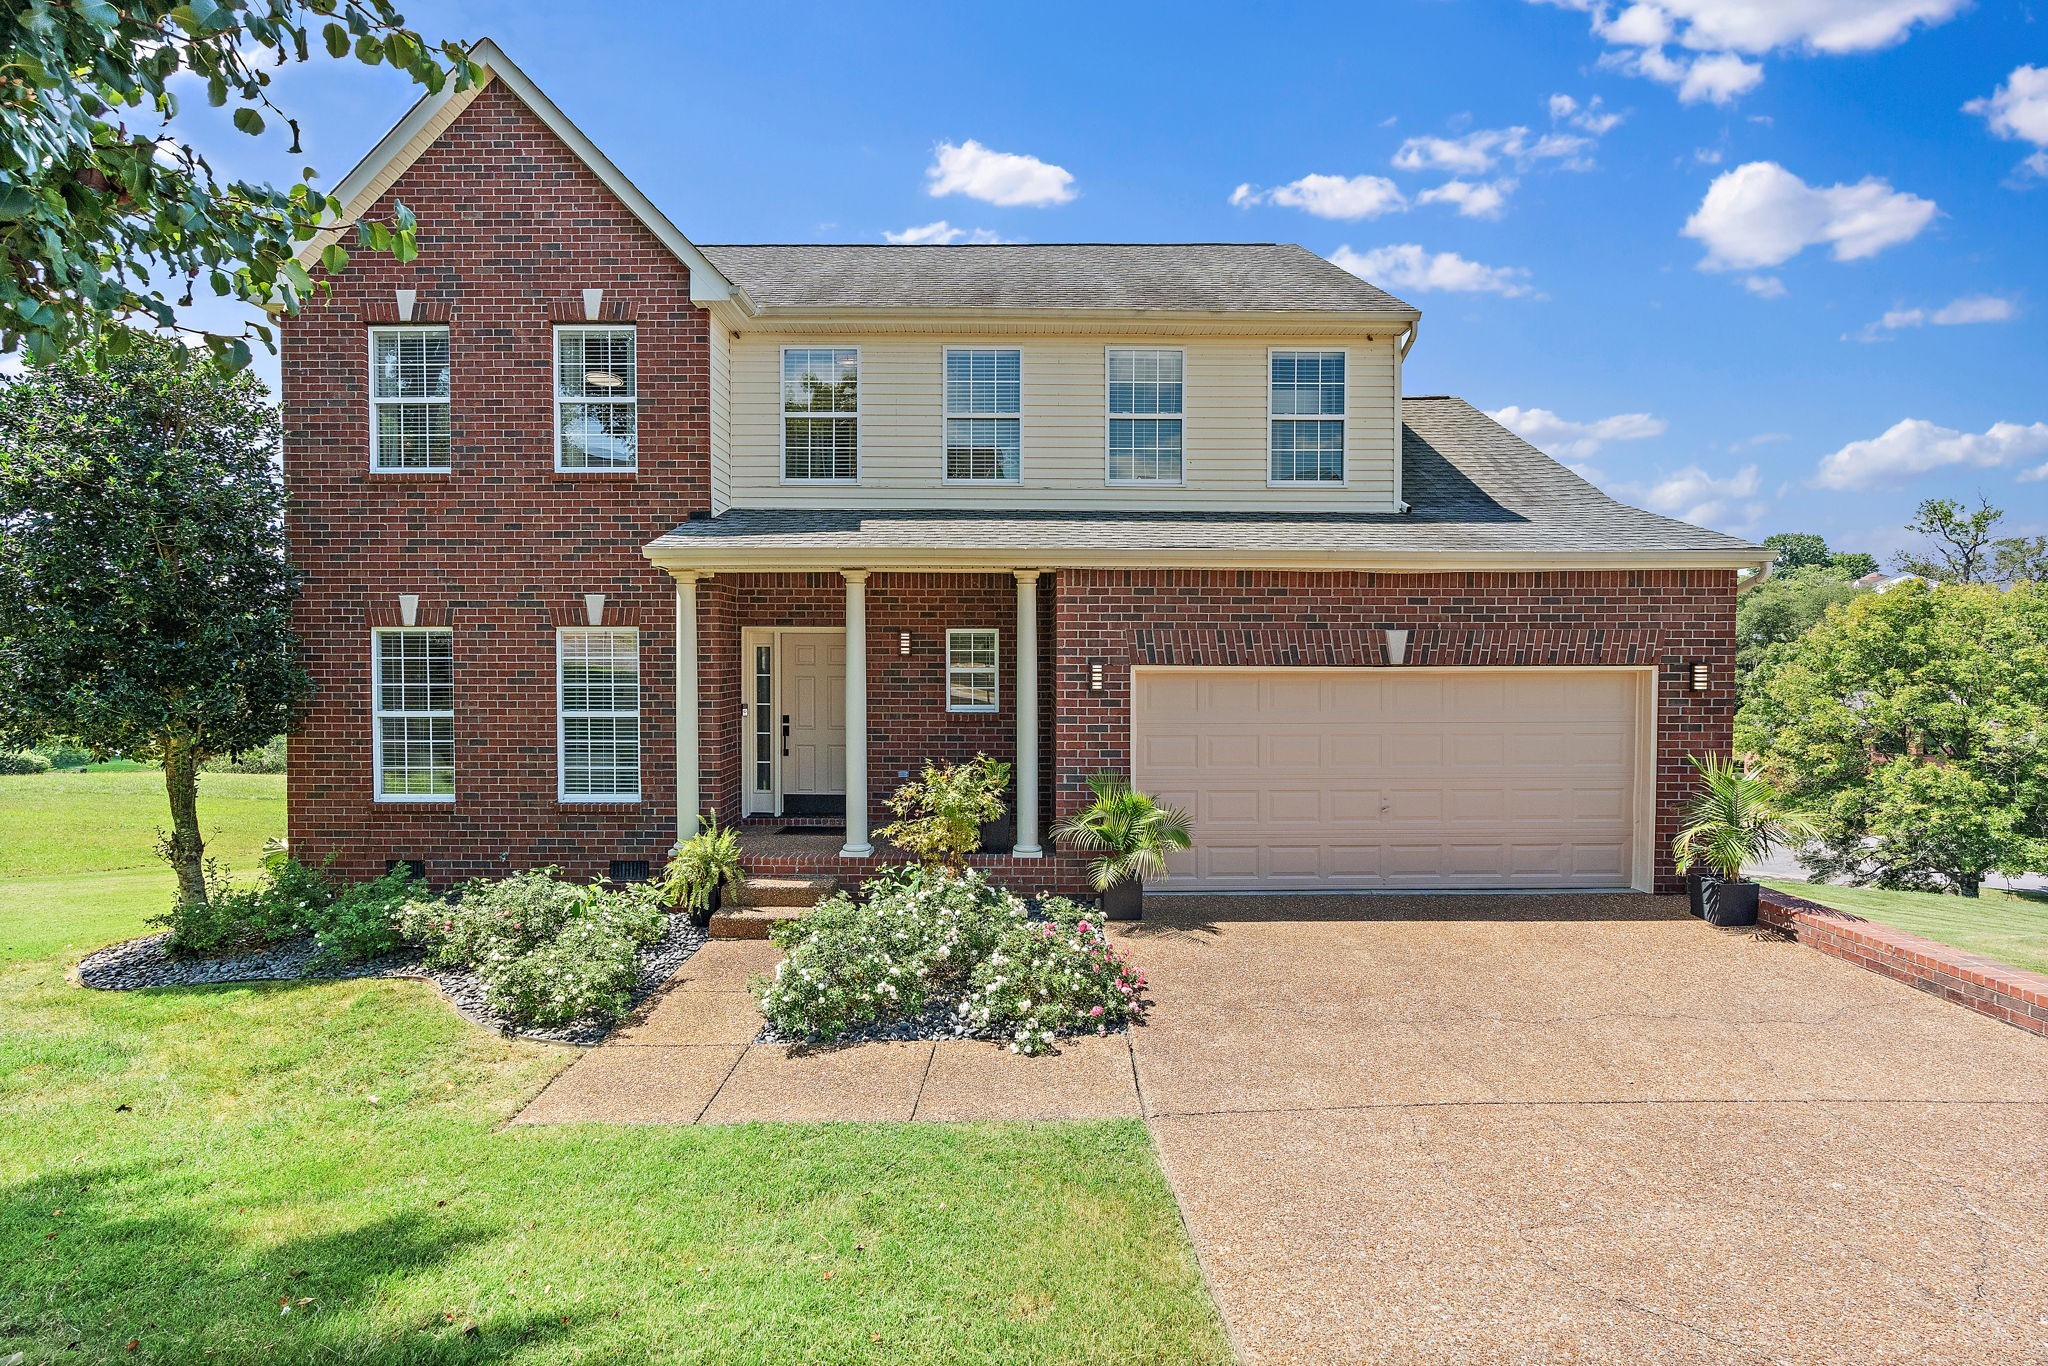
column 804, row 891
column 751, row 922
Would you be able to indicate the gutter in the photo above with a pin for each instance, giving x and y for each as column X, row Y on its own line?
column 1763, row 572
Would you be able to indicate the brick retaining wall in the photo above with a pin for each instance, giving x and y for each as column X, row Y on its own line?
column 1967, row 979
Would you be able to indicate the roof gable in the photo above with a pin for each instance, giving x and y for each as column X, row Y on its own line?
column 431, row 116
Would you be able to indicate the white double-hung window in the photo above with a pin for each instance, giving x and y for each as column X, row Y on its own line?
column 597, row 398
column 598, row 714
column 971, row 670
column 821, row 414
column 984, row 415
column 1146, row 394
column 1307, row 415
column 412, row 673
column 408, row 398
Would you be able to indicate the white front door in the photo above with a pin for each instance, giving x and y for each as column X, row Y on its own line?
column 813, row 717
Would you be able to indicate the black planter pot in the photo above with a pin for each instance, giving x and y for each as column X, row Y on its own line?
column 1729, row 904
column 702, row 918
column 1695, row 888
column 998, row 836
column 1124, row 901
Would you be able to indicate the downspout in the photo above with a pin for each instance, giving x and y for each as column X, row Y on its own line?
column 1763, row 572
column 1400, row 438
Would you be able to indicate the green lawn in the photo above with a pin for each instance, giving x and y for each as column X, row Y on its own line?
column 178, row 1169
column 2011, row 927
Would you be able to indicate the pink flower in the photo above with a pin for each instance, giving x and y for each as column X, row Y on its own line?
column 1095, row 1010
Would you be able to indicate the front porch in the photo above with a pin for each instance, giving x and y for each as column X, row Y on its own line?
column 775, row 850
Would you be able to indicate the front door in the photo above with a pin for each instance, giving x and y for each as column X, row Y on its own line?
column 813, row 722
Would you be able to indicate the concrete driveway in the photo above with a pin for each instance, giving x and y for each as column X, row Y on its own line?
column 1540, row 1128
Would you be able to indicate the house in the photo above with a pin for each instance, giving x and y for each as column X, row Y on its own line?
column 1882, row 582
column 603, row 528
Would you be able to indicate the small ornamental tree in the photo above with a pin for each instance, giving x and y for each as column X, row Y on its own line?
column 145, row 598
column 1913, row 725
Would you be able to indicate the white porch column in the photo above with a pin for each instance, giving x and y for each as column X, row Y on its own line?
column 1027, row 715
column 857, row 845
column 689, row 800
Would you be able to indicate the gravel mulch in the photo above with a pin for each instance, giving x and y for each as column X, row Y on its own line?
column 142, row 963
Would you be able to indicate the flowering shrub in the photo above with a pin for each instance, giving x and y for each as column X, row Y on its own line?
column 352, row 922
column 924, row 938
column 548, row 951
column 359, row 922
column 233, row 919
column 1059, row 975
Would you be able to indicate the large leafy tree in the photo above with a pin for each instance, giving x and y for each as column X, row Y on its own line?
column 1784, row 608
column 1960, row 545
column 145, row 597
column 1914, row 723
column 109, row 220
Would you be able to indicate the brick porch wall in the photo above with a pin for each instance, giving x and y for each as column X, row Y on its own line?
column 1669, row 618
column 501, row 548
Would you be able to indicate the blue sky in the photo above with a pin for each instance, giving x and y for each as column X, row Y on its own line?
column 1765, row 264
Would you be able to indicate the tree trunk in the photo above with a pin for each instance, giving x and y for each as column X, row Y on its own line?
column 1968, row 883
column 184, row 850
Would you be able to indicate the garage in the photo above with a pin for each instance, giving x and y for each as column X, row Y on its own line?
column 1357, row 779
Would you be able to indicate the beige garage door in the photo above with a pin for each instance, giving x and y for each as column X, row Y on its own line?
column 1369, row 778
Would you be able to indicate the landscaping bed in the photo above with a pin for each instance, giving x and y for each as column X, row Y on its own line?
column 147, row 962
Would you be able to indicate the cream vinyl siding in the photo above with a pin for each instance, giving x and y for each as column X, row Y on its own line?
column 719, row 364
column 1064, row 426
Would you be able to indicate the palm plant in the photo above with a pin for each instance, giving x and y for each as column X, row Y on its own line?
column 1132, row 832
column 1737, row 818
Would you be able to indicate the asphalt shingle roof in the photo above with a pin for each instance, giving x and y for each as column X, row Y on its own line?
column 1472, row 486
column 1203, row 277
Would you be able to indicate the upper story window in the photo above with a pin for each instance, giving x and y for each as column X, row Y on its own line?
column 598, row 714
column 1307, row 413
column 821, row 414
column 413, row 678
column 984, row 415
column 597, row 398
column 408, row 398
column 1145, row 416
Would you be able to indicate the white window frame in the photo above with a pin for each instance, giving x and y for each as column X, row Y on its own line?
column 994, row 669
column 379, row 715
column 947, row 417
column 562, row 715
column 1110, row 419
column 1343, row 420
column 631, row 400
column 370, row 358
column 783, row 415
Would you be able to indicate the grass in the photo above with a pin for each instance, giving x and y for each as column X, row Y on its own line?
column 2011, row 927
column 319, row 1172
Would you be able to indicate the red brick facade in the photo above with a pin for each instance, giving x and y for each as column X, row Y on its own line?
column 501, row 549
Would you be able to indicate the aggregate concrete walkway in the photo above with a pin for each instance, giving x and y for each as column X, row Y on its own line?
column 686, row 1057
column 1585, row 1128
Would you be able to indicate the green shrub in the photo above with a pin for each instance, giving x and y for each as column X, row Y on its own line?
column 231, row 920
column 23, row 764
column 66, row 754
column 542, row 946
column 943, row 810
column 268, row 759
column 1060, row 975
column 923, row 936
column 360, row 922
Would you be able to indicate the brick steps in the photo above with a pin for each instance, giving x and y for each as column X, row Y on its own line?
column 767, row 900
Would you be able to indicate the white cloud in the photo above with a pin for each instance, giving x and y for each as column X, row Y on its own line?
column 1706, row 156
column 1472, row 198
column 1724, row 31
column 1484, row 148
column 1764, row 286
column 2019, row 110
column 1971, row 308
column 1916, row 446
column 1409, row 267
column 1589, row 116
column 941, row 233
column 1008, row 179
column 1329, row 196
column 1568, row 440
column 1693, row 495
column 1761, row 215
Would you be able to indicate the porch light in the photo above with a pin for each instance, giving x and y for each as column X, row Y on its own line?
column 1699, row 675
column 1095, row 675
column 1397, row 645
column 903, row 643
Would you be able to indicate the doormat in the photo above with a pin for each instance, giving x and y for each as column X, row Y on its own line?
column 812, row 830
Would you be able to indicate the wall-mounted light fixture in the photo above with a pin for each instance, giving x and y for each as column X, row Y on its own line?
column 1397, row 645
column 903, row 643
column 1094, row 675
column 1699, row 675
column 408, row 609
column 593, row 608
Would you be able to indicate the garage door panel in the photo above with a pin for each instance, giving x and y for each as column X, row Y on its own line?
column 1380, row 778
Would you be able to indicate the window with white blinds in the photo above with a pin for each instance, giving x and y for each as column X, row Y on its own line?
column 598, row 714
